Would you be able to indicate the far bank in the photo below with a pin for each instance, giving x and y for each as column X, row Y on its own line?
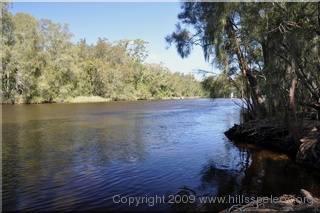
column 97, row 99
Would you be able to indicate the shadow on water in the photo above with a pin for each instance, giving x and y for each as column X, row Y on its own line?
column 268, row 173
column 258, row 173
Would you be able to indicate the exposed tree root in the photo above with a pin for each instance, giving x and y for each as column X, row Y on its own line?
column 305, row 149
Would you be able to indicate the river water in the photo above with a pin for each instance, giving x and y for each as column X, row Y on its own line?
column 158, row 155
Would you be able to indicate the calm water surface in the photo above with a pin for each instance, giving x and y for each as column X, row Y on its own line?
column 95, row 156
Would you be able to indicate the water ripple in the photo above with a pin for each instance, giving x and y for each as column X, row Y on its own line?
column 56, row 158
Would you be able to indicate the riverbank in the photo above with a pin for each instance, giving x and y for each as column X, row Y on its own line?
column 96, row 99
column 304, row 147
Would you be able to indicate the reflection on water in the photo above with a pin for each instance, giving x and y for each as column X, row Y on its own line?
column 79, row 156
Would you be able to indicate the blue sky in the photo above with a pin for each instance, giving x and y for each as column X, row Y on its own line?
column 149, row 21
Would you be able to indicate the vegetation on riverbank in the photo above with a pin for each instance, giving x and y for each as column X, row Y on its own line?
column 269, row 52
column 40, row 64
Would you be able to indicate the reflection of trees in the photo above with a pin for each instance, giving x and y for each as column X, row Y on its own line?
column 54, row 164
column 31, row 166
column 121, row 139
column 274, row 174
column 257, row 173
column 10, row 165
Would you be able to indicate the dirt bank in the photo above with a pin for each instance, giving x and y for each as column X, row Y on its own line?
column 304, row 147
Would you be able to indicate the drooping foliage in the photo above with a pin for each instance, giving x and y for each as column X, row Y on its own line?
column 273, row 45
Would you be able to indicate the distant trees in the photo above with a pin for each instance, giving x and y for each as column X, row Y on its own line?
column 274, row 45
column 222, row 86
column 41, row 64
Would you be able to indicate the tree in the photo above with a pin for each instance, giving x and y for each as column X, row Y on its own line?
column 56, row 80
column 218, row 30
column 271, row 44
column 295, row 27
column 7, row 73
column 21, row 59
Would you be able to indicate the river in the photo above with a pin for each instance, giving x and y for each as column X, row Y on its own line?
column 135, row 155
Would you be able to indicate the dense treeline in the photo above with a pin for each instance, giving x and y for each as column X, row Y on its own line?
column 41, row 64
column 269, row 52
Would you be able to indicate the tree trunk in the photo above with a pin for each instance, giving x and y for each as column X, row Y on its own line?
column 257, row 96
column 292, row 108
column 292, row 118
